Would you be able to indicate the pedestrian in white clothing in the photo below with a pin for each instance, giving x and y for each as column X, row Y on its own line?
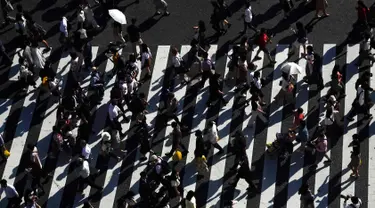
column 212, row 135
column 37, row 56
column 248, row 18
column 64, row 34
column 11, row 193
column 146, row 60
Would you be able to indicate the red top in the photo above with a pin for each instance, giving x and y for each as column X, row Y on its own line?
column 263, row 40
column 362, row 13
column 298, row 118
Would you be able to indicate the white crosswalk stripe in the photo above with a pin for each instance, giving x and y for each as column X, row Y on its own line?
column 210, row 190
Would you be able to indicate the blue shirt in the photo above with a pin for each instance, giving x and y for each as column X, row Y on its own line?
column 303, row 134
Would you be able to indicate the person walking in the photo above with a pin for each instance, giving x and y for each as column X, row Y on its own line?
column 245, row 173
column 64, row 33
column 117, row 34
column 5, row 59
column 161, row 5
column 239, row 149
column 248, row 18
column 301, row 35
column 215, row 91
column 14, row 199
column 212, row 134
column 262, row 40
column 146, row 60
column 36, row 169
column 176, row 139
column 256, row 111
column 85, row 176
column 115, row 113
column 134, row 34
column 361, row 103
column 321, row 148
column 307, row 198
column 321, row 6
column 355, row 157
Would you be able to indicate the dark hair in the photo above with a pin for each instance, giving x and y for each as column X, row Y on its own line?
column 190, row 195
column 134, row 20
column 144, row 48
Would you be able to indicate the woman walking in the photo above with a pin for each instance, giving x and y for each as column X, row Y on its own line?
column 146, row 58
column 321, row 6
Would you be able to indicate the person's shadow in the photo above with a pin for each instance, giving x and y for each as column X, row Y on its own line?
column 150, row 22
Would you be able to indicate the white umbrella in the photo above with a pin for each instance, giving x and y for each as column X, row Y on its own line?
column 118, row 16
column 291, row 68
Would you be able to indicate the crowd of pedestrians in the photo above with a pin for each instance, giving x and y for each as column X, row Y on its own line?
column 74, row 100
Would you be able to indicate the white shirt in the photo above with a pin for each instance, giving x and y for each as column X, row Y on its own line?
column 255, row 80
column 213, row 134
column 248, row 15
column 10, row 191
column 85, row 170
column 176, row 60
column 354, row 205
column 361, row 95
column 64, row 26
column 113, row 111
column 145, row 56
column 86, row 152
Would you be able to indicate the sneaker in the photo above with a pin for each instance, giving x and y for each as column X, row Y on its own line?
column 167, row 14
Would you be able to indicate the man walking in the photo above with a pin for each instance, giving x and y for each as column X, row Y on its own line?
column 248, row 18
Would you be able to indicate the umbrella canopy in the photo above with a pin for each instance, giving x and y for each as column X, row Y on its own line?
column 117, row 15
column 291, row 68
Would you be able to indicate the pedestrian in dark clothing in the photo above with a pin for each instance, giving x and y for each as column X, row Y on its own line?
column 245, row 173
column 144, row 189
column 215, row 92
column 87, row 55
column 362, row 103
column 134, row 34
column 176, row 139
column 201, row 147
column 307, row 198
column 239, row 149
column 5, row 59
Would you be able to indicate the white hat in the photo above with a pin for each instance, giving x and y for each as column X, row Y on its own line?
column 106, row 136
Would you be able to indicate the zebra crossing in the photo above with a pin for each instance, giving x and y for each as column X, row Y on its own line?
column 29, row 118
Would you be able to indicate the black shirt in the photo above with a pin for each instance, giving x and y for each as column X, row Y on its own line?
column 356, row 147
column 214, row 85
column 254, row 105
column 134, row 33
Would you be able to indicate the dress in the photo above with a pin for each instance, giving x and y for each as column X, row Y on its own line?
column 38, row 58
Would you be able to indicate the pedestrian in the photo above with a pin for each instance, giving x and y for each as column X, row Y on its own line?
column 5, row 59
column 134, row 34
column 37, row 55
column 36, row 170
column 245, row 173
column 215, row 91
column 356, row 202
column 145, row 190
column 207, row 67
column 256, row 111
column 26, row 76
column 143, row 135
column 161, row 5
column 287, row 7
column 189, row 200
column 355, row 157
column 362, row 13
column 171, row 107
column 201, row 146
column 321, row 6
column 256, row 83
column 90, row 18
column 146, row 60
column 212, row 134
column 176, row 136
column 298, row 117
column 248, row 18
column 3, row 148
column 107, row 148
column 14, row 199
column 20, row 27
column 115, row 113
column 85, row 150
column 37, row 33
column 361, row 103
column 64, row 33
column 224, row 13
column 262, row 40
column 307, row 198
column 238, row 149
column 178, row 69
column 85, row 176
column 97, row 84
column 87, row 55
column 118, row 35
column 321, row 148
column 301, row 35
column 365, row 50
column 302, row 134
column 201, row 166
